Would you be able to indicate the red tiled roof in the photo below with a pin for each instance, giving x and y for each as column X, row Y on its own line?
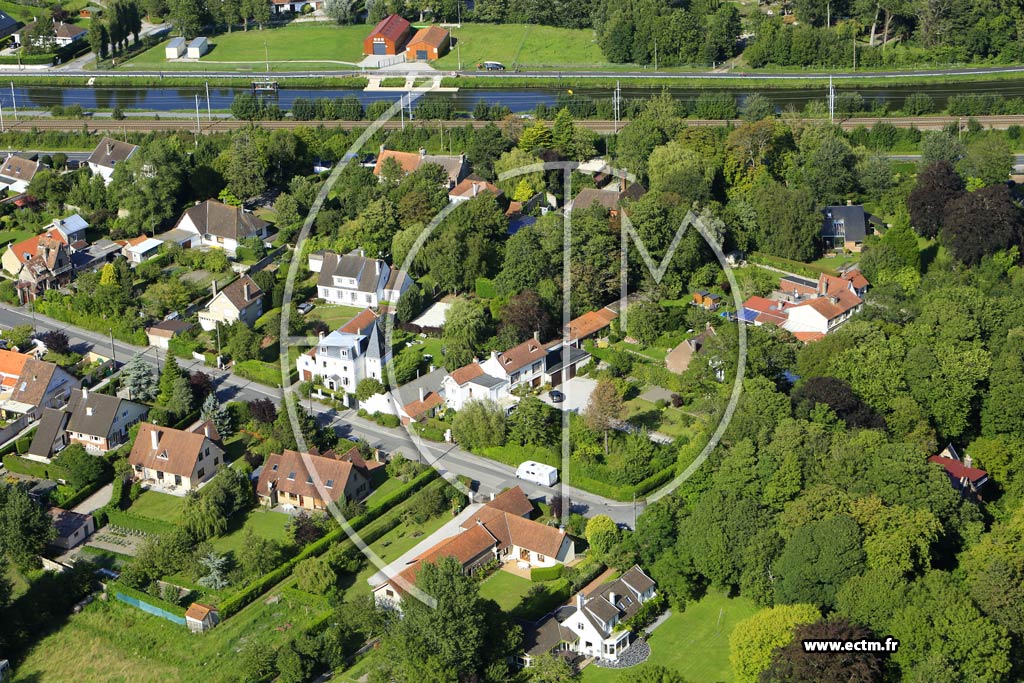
column 464, row 547
column 512, row 529
column 521, row 355
column 391, row 27
column 356, row 325
column 433, row 36
column 857, row 278
column 958, row 470
column 467, row 373
column 466, row 186
column 198, row 611
column 419, row 407
column 409, row 161
column 808, row 337
column 11, row 365
column 589, row 323
column 27, row 249
column 288, row 472
column 513, row 501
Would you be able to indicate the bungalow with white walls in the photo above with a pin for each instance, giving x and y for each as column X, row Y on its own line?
column 176, row 459
column 100, row 422
column 471, row 383
column 242, row 300
column 215, row 224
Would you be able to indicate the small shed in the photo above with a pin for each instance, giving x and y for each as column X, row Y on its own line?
column 175, row 48
column 388, row 36
column 198, row 47
column 72, row 528
column 430, row 43
column 707, row 300
column 200, row 618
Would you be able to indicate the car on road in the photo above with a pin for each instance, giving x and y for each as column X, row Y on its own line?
column 537, row 472
column 304, row 308
column 556, row 396
column 493, row 66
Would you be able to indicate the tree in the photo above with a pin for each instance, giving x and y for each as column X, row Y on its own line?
column 456, row 639
column 1001, row 410
column 602, row 534
column 794, row 664
column 988, row 161
column 242, row 343
column 480, row 424
column 315, row 575
column 646, row 322
column 409, row 304
column 788, row 221
column 757, row 107
column 305, row 529
column 203, row 518
column 525, row 315
column 980, row 223
column 537, row 136
column 213, row 411
column 216, row 566
column 465, row 327
column 604, row 409
column 937, row 185
column 98, row 40
column 754, row 640
column 25, row 528
column 83, row 469
column 837, row 395
column 263, row 410
column 137, row 376
column 258, row 555
column 187, row 16
column 817, row 560
column 550, row 668
column 368, row 387
column 56, row 341
column 532, row 423
column 293, row 666
column 169, row 377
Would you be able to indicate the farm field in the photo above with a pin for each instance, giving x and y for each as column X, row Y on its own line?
column 695, row 643
column 295, row 47
column 523, row 45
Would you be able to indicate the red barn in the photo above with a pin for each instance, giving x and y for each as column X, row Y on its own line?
column 387, row 37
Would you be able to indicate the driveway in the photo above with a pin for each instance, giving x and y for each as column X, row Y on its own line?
column 577, row 394
column 95, row 501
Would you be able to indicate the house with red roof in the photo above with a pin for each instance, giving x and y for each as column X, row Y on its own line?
column 963, row 475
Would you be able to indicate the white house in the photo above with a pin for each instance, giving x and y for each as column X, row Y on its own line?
column 242, row 300
column 108, row 154
column 144, row 250
column 471, row 383
column 356, row 280
column 17, row 172
column 343, row 358
column 176, row 459
column 591, row 627
column 533, row 363
column 215, row 224
column 835, row 302
column 60, row 35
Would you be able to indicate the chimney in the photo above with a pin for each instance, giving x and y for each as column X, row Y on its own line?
column 85, row 393
column 492, row 496
column 423, row 152
column 579, row 601
column 376, row 266
column 245, row 291
column 423, row 393
column 611, row 597
column 536, row 336
column 213, row 286
column 154, row 438
column 110, row 148
column 432, row 368
column 88, row 411
column 381, row 149
column 475, row 189
column 320, row 335
column 968, row 460
column 206, row 429
column 849, row 202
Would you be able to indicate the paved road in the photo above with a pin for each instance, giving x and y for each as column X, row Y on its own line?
column 1018, row 159
column 492, row 476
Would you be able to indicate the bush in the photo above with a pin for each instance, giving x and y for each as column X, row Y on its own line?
column 33, row 468
column 546, row 573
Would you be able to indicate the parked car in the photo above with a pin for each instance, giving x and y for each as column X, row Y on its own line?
column 304, row 308
column 556, row 396
column 494, row 66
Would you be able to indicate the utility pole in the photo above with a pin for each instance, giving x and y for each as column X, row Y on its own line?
column 401, row 105
column 113, row 353
column 1, row 117
column 209, row 113
column 854, row 51
column 617, row 106
column 655, row 53
column 14, row 102
column 831, row 101
column 197, row 118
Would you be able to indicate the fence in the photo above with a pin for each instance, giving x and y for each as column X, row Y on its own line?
column 151, row 609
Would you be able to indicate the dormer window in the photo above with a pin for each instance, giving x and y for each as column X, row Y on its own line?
column 330, row 483
column 162, row 455
column 291, row 476
column 274, row 468
column 309, row 479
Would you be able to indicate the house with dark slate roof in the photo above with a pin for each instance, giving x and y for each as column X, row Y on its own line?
column 100, row 422
column 357, row 280
column 591, row 626
column 8, row 24
column 241, row 301
column 846, row 227
column 217, row 225
column 348, row 355
column 108, row 154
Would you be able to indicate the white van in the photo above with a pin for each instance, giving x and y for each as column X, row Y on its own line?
column 537, row 472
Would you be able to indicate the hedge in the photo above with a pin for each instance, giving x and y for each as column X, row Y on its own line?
column 259, row 371
column 118, row 587
column 514, row 455
column 33, row 468
column 261, row 585
column 84, row 493
column 546, row 573
column 28, row 59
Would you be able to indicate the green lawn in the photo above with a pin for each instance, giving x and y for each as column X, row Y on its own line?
column 671, row 421
column 263, row 522
column 334, row 315
column 833, row 261
column 294, row 47
column 523, row 45
column 655, row 353
column 13, row 236
column 694, row 643
column 505, row 588
column 162, row 506
column 391, row 546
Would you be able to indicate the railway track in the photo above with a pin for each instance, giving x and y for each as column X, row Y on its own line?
column 600, row 126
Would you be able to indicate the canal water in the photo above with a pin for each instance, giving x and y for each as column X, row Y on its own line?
column 516, row 99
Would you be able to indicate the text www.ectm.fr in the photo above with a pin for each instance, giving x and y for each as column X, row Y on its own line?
column 890, row 644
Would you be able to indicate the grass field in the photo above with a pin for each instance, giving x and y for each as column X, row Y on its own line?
column 390, row 547
column 505, row 588
column 523, row 45
column 294, row 47
column 671, row 421
column 25, row 13
column 264, row 523
column 162, row 506
column 695, row 643
column 334, row 315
